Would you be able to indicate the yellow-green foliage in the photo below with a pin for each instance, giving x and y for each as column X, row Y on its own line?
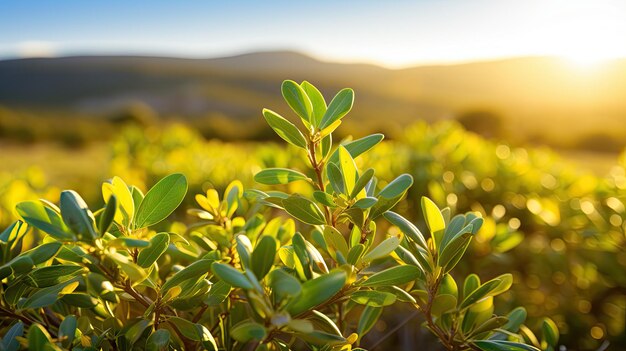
column 559, row 230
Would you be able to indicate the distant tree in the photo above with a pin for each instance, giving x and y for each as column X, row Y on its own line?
column 484, row 122
column 135, row 113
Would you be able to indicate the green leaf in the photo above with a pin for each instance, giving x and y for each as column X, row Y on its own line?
column 397, row 275
column 284, row 284
column 491, row 324
column 193, row 271
column 335, row 240
column 80, row 300
column 383, row 249
column 391, row 194
column 373, row 298
column 406, row 227
column 338, row 107
column 77, row 215
column 355, row 254
column 434, row 220
column 67, row 331
column 324, row 198
column 126, row 242
column 443, row 303
column 317, row 291
column 359, row 146
column 248, row 331
column 107, row 216
column 453, row 252
column 335, row 178
column 47, row 296
column 231, row 276
column 41, row 217
column 263, row 256
column 483, row 291
column 297, row 99
column 218, row 293
column 304, row 210
column 317, row 101
column 39, row 339
column 52, row 275
column 150, row 254
column 550, row 332
column 158, row 341
column 273, row 176
column 9, row 340
column 125, row 204
column 285, row 129
column 362, row 182
column 348, row 169
column 501, row 345
column 368, row 319
column 161, row 200
column 195, row 332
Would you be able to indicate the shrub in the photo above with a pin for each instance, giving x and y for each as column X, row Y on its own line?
column 242, row 276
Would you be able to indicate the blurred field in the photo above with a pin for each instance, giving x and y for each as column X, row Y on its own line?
column 558, row 226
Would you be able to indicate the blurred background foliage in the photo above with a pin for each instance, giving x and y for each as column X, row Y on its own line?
column 557, row 227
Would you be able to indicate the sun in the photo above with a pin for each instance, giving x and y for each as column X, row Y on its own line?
column 586, row 61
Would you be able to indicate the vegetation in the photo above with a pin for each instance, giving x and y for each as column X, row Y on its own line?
column 243, row 275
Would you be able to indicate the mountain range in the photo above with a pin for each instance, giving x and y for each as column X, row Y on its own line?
column 533, row 97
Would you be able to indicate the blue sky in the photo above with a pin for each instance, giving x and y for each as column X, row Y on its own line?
column 392, row 33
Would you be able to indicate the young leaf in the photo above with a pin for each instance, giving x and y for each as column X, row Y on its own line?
column 273, row 176
column 231, row 276
column 263, row 256
column 348, row 169
column 150, row 254
column 161, row 200
column 77, row 215
column 317, row 101
column 338, row 107
column 285, row 129
column 397, row 275
column 304, row 209
column 434, row 220
column 297, row 99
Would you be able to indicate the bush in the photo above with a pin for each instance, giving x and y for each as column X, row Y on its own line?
column 242, row 276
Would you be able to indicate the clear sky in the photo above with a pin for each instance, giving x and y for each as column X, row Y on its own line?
column 392, row 33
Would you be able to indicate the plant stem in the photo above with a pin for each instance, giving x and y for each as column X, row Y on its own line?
column 318, row 168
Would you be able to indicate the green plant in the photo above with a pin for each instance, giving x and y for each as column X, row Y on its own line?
column 242, row 276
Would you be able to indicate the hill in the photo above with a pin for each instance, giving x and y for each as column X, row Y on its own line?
column 536, row 98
